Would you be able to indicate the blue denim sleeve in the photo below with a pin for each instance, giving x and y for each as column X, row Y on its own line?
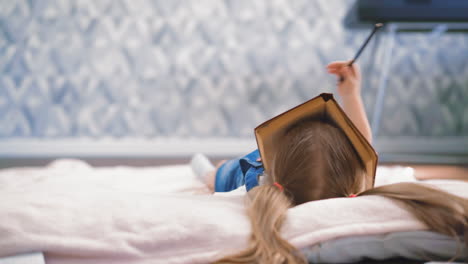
column 237, row 172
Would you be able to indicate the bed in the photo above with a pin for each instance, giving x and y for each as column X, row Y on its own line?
column 71, row 212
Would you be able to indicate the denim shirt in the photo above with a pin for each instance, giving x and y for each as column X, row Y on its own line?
column 237, row 172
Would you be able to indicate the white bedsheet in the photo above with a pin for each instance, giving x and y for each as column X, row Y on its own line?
column 78, row 214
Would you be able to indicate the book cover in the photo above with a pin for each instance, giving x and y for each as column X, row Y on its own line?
column 325, row 107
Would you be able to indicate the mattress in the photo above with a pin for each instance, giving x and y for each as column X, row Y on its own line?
column 75, row 213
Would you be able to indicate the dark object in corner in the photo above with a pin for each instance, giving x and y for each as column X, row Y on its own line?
column 420, row 13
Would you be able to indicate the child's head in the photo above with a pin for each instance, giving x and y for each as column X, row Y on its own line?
column 316, row 161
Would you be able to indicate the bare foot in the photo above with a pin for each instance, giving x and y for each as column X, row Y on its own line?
column 426, row 172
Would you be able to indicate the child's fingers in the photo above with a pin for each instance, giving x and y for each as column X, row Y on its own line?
column 335, row 67
column 333, row 71
column 337, row 73
column 336, row 70
column 343, row 73
column 347, row 72
column 336, row 64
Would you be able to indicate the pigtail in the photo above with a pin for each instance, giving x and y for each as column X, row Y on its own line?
column 440, row 211
column 266, row 207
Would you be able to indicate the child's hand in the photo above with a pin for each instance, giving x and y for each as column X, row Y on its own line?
column 350, row 91
column 351, row 76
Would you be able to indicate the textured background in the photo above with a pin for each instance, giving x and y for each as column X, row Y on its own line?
column 207, row 68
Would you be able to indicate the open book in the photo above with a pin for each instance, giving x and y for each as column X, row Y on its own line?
column 324, row 106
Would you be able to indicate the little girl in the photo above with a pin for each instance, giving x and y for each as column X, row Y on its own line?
column 248, row 170
column 315, row 160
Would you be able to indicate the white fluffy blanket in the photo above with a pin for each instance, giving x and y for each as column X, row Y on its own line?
column 78, row 214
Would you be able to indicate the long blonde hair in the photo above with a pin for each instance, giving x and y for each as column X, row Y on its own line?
column 317, row 161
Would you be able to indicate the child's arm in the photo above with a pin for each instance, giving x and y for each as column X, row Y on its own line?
column 350, row 91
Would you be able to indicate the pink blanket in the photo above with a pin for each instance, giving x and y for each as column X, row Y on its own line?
column 78, row 214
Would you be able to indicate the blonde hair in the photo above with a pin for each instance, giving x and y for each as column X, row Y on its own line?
column 317, row 161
